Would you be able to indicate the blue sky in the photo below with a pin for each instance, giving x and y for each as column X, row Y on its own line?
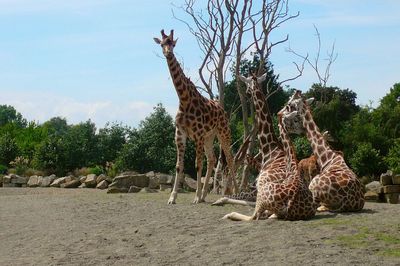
column 96, row 59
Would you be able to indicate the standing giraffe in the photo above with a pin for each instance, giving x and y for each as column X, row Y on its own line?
column 280, row 189
column 201, row 120
column 337, row 188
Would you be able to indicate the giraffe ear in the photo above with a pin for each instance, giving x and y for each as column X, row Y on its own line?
column 245, row 80
column 262, row 78
column 158, row 41
column 309, row 101
column 174, row 42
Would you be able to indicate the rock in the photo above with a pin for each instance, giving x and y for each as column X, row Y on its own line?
column 34, row 181
column 371, row 196
column 164, row 187
column 396, row 180
column 117, row 190
column 190, row 184
column 154, row 180
column 392, row 198
column 61, row 180
column 9, row 185
column 47, row 181
column 391, row 189
column 127, row 180
column 374, row 186
column 82, row 185
column 90, row 181
column 134, row 189
column 6, row 179
column 386, row 178
column 102, row 185
column 150, row 174
column 16, row 179
column 147, row 190
column 71, row 184
column 101, row 178
column 82, row 179
column 1, row 180
column 165, row 179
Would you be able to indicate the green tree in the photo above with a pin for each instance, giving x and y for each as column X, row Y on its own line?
column 393, row 157
column 110, row 141
column 8, row 149
column 367, row 160
column 8, row 114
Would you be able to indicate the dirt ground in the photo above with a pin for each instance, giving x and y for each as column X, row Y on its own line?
column 49, row 226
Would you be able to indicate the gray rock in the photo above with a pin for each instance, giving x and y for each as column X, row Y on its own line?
column 82, row 185
column 117, row 190
column 71, row 184
column 164, row 187
column 61, row 180
column 91, row 181
column 127, row 180
column 165, row 179
column 10, row 185
column 189, row 183
column 374, row 186
column 147, row 190
column 34, row 181
column 386, row 178
column 134, row 189
column 101, row 178
column 16, row 179
column 6, row 179
column 47, row 181
column 102, row 185
column 82, row 179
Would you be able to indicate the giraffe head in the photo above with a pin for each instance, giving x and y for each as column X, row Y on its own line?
column 252, row 81
column 293, row 113
column 167, row 42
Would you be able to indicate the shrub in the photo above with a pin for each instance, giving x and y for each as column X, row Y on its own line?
column 3, row 169
column 367, row 160
column 392, row 158
column 97, row 170
column 21, row 165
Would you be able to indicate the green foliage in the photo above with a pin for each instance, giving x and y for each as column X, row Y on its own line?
column 20, row 165
column 8, row 149
column 367, row 160
column 3, row 169
column 97, row 170
column 393, row 157
column 110, row 141
column 50, row 156
column 151, row 146
column 8, row 115
column 302, row 147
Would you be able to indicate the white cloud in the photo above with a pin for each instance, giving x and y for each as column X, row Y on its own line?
column 42, row 106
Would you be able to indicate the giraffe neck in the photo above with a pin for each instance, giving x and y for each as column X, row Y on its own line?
column 320, row 147
column 290, row 155
column 184, row 87
column 266, row 136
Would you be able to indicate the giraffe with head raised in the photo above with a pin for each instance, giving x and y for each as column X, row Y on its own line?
column 280, row 189
column 201, row 120
column 336, row 187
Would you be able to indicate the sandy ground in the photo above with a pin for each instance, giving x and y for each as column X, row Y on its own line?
column 49, row 226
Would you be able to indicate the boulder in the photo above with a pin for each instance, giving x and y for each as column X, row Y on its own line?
column 117, row 190
column 61, row 180
column 82, row 179
column 82, row 185
column 102, row 184
column 126, row 180
column 16, row 179
column 386, row 178
column 6, row 179
column 154, row 181
column 371, row 196
column 47, row 181
column 396, row 180
column 101, row 178
column 91, row 181
column 190, row 184
column 71, row 184
column 134, row 189
column 164, row 187
column 391, row 189
column 392, row 198
column 165, row 179
column 9, row 185
column 374, row 186
column 34, row 181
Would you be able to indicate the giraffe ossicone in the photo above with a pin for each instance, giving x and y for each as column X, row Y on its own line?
column 201, row 120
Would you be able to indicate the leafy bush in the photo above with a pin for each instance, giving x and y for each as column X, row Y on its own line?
column 20, row 164
column 3, row 169
column 97, row 170
column 367, row 160
column 302, row 147
column 8, row 149
column 393, row 157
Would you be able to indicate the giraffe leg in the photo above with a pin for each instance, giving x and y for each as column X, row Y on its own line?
column 224, row 200
column 199, row 169
column 225, row 140
column 208, row 148
column 180, row 142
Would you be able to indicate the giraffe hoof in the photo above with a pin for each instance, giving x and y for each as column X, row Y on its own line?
column 226, row 217
column 197, row 200
column 171, row 201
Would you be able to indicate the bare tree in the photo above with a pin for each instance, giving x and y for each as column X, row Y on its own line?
column 225, row 31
